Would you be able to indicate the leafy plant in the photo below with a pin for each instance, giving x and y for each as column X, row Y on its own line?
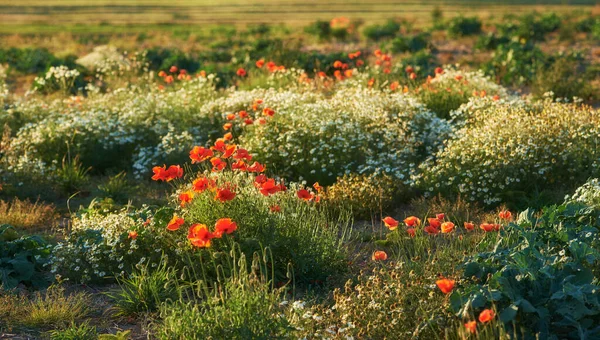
column 72, row 176
column 462, row 26
column 380, row 32
column 75, row 332
column 22, row 259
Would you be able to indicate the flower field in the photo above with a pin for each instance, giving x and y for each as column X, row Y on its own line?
column 359, row 184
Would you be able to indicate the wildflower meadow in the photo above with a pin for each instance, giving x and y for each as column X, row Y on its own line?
column 338, row 177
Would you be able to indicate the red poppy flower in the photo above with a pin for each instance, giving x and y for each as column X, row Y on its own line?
column 394, row 86
column 230, row 116
column 471, row 326
column 322, row 74
column 200, row 184
column 486, row 315
column 260, row 63
column 304, row 194
column 224, row 195
column 242, row 154
column 160, row 173
column 220, row 145
column 409, row 69
column 239, row 165
column 440, row 216
column 411, row 232
column 413, row 76
column 412, row 221
column 447, row 227
column 269, row 187
column 434, row 222
column 229, row 150
column 199, row 235
column 275, row 208
column 268, row 112
column 439, row 70
column 186, row 197
column 249, row 121
column 469, row 226
column 224, row 226
column 175, row 223
column 431, row 230
column 173, row 69
column 241, row 72
column 445, row 285
column 200, row 154
column 260, row 179
column 218, row 164
column 174, row 171
column 505, row 215
column 162, row 74
column 169, row 79
column 227, row 126
column 132, row 235
column 379, row 255
column 337, row 64
column 256, row 167
column 359, row 63
column 496, row 97
column 487, row 227
column 391, row 223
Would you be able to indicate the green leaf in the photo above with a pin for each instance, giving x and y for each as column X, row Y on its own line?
column 509, row 313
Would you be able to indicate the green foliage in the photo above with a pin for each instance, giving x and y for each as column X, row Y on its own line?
column 564, row 78
column 411, row 43
column 117, row 188
column 462, row 26
column 320, row 29
column 542, row 275
column 381, row 32
column 533, row 26
column 515, row 63
column 75, row 332
column 144, row 290
column 55, row 309
column 72, row 176
column 33, row 60
column 121, row 335
column 22, row 259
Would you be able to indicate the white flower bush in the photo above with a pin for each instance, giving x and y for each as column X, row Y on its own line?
column 505, row 152
column 354, row 130
column 57, row 78
column 588, row 194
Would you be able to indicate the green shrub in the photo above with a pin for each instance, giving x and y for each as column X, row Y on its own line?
column 381, row 32
column 54, row 308
column 319, row 28
column 461, row 26
column 564, row 79
column 515, row 63
column 413, row 43
column 75, row 332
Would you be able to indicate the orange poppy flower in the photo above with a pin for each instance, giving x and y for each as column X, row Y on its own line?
column 445, row 285
column 269, row 187
column 411, row 232
column 371, row 82
column 199, row 236
column 413, row 76
column 202, row 74
column 243, row 114
column 132, row 235
column 379, row 255
column 173, row 69
column 394, row 86
column 391, row 223
column 496, row 97
column 409, row 69
column 337, row 64
column 241, row 72
column 242, row 154
column 440, row 216
column 162, row 74
column 186, row 197
column 224, row 226
column 431, row 230
column 227, row 126
column 260, row 63
column 275, row 208
column 338, row 75
column 469, row 226
column 434, row 222
column 471, row 326
column 322, row 74
column 229, row 151
column 458, row 77
column 439, row 70
column 359, row 63
column 304, row 194
column 447, row 227
column 486, row 315
column 317, row 186
column 200, row 154
column 505, row 215
column 256, row 167
column 224, row 195
column 230, row 116
column 220, row 145
column 169, row 79
column 249, row 121
column 412, row 221
column 175, row 223
column 487, row 227
column 348, row 73
column 268, row 112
